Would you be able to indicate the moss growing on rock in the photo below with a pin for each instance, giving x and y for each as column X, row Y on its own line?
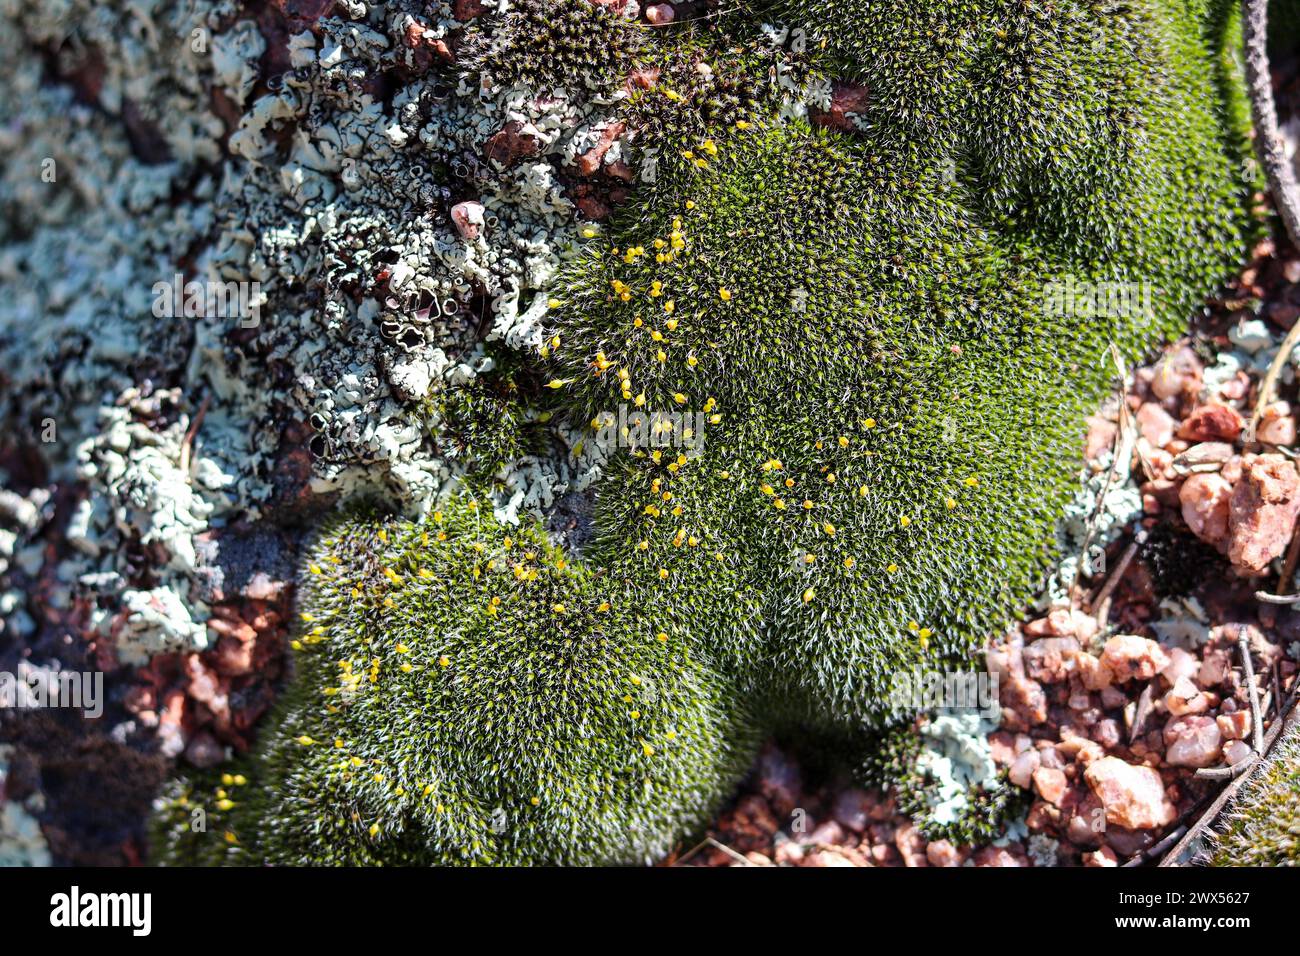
column 840, row 378
column 467, row 694
column 543, row 45
column 893, row 360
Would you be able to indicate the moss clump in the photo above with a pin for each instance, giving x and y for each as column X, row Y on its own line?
column 892, row 384
column 914, row 58
column 547, row 44
column 868, row 423
column 489, row 421
column 1262, row 824
column 466, row 693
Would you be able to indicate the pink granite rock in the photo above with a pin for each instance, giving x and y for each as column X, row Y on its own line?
column 1276, row 426
column 1050, row 785
column 1133, row 797
column 1130, row 657
column 1192, row 741
column 660, row 14
column 1234, row 726
column 1205, row 499
column 1264, row 506
column 1212, row 423
column 1186, row 698
column 1155, row 425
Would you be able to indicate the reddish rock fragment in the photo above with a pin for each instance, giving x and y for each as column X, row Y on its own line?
column 1192, row 741
column 464, row 10
column 589, row 162
column 846, row 99
column 1212, row 423
column 660, row 14
column 1133, row 797
column 1050, row 785
column 1263, row 512
column 1155, row 425
column 1130, row 657
column 1205, row 501
column 510, row 144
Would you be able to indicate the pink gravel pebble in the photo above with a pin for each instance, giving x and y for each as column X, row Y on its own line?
column 1264, row 506
column 660, row 14
column 1103, row 857
column 468, row 218
column 1276, row 426
column 1192, row 741
column 1155, row 425
column 1205, row 506
column 1133, row 797
column 1234, row 726
column 1212, row 423
column 1185, row 698
column 1050, row 785
column 1130, row 657
column 1022, row 770
column 1236, row 751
